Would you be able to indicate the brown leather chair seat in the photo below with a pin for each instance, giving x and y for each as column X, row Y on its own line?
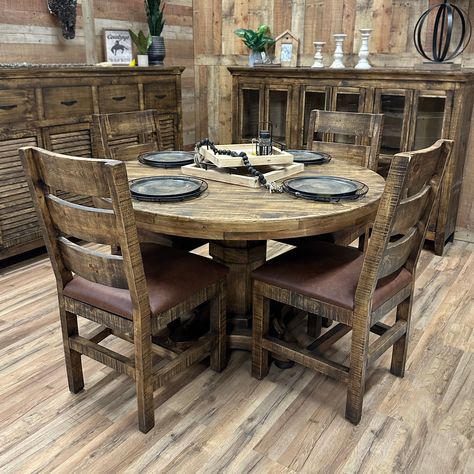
column 328, row 272
column 171, row 275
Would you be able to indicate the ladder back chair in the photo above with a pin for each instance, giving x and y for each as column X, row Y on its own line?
column 364, row 130
column 133, row 295
column 125, row 136
column 353, row 288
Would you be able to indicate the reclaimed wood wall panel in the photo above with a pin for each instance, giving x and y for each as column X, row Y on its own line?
column 30, row 34
column 391, row 45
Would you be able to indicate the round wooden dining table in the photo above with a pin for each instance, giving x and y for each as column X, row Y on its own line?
column 238, row 221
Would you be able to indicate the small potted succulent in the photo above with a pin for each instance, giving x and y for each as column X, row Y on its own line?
column 142, row 43
column 258, row 42
column 156, row 22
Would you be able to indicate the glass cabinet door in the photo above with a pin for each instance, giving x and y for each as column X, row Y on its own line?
column 393, row 105
column 311, row 99
column 277, row 113
column 429, row 120
column 347, row 100
column 250, row 112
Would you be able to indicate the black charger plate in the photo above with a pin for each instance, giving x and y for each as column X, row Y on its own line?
column 325, row 188
column 309, row 157
column 167, row 159
column 166, row 188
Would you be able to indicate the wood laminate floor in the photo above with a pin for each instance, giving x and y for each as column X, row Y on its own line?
column 292, row 421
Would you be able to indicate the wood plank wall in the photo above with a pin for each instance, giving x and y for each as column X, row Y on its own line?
column 391, row 45
column 30, row 34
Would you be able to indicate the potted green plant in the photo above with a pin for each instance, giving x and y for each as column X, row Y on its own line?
column 156, row 22
column 142, row 43
column 257, row 41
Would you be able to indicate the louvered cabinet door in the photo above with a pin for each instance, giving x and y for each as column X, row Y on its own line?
column 169, row 131
column 19, row 227
column 72, row 140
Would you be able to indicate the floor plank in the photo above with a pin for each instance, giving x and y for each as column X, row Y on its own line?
column 290, row 422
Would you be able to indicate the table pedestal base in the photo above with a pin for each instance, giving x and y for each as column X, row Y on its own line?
column 241, row 257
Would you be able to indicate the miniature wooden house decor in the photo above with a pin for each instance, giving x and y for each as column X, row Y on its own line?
column 286, row 49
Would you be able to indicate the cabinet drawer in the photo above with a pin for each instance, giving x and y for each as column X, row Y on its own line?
column 67, row 101
column 160, row 96
column 118, row 98
column 17, row 106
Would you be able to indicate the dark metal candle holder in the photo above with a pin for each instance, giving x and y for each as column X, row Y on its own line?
column 264, row 140
column 443, row 32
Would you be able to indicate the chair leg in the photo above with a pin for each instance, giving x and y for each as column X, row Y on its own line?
column 399, row 352
column 72, row 358
column 218, row 329
column 261, row 322
column 315, row 323
column 358, row 367
column 143, row 376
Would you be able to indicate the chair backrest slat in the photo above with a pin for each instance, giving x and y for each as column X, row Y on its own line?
column 86, row 223
column 92, row 265
column 80, row 176
column 131, row 152
column 366, row 130
column 357, row 154
column 402, row 218
column 410, row 210
column 115, row 134
column 397, row 253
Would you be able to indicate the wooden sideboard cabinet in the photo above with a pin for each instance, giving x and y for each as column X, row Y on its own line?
column 419, row 106
column 52, row 107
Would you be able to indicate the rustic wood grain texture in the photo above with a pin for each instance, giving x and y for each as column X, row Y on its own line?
column 387, row 252
column 218, row 421
column 451, row 89
column 47, row 171
column 53, row 108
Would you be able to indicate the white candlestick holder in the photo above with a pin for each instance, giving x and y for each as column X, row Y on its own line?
column 338, row 53
column 364, row 49
column 318, row 56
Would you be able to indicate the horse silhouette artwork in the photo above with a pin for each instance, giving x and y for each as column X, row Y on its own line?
column 118, row 47
column 65, row 10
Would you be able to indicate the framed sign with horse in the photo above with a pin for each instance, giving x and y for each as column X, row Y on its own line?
column 118, row 47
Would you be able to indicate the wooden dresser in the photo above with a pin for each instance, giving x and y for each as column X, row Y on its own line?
column 51, row 107
column 419, row 106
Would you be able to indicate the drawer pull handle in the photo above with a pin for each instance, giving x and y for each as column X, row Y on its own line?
column 68, row 103
column 162, row 96
column 8, row 107
column 119, row 98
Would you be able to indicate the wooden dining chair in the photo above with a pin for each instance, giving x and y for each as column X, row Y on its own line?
column 125, row 136
column 354, row 288
column 349, row 136
column 133, row 295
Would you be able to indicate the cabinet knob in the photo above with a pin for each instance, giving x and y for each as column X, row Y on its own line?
column 68, row 103
column 8, row 107
column 160, row 96
column 119, row 98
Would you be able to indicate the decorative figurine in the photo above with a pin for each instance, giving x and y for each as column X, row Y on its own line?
column 338, row 53
column 364, row 49
column 318, row 56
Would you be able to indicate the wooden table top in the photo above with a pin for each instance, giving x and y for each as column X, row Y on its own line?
column 231, row 212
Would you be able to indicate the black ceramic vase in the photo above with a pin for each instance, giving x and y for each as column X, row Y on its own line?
column 157, row 52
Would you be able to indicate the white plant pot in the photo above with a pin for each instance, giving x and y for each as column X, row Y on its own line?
column 142, row 60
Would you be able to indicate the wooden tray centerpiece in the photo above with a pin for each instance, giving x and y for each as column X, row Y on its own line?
column 232, row 170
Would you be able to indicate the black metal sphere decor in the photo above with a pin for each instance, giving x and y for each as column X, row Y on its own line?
column 447, row 16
